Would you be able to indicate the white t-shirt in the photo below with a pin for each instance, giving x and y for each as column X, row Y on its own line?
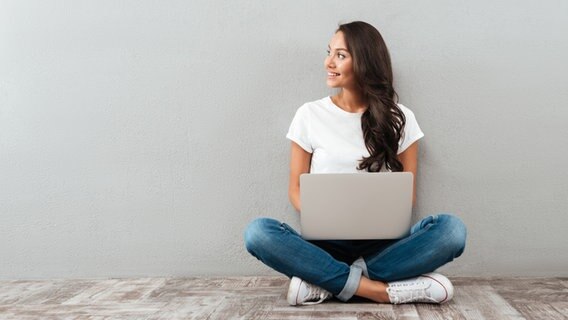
column 335, row 137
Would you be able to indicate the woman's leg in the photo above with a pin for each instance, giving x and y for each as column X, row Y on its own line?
column 280, row 247
column 433, row 242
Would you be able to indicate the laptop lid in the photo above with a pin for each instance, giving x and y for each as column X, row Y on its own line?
column 356, row 205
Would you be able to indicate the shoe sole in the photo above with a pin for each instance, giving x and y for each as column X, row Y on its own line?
column 294, row 291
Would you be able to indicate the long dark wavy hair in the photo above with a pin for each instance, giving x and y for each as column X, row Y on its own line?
column 383, row 121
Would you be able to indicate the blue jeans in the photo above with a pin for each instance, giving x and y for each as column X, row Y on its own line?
column 337, row 265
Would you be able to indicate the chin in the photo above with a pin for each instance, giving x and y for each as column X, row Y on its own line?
column 333, row 85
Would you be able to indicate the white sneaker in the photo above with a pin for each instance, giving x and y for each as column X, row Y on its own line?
column 302, row 293
column 429, row 288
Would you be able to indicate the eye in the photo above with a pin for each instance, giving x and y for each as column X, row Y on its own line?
column 328, row 52
column 341, row 56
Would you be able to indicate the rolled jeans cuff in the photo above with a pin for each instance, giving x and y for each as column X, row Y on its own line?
column 361, row 264
column 352, row 283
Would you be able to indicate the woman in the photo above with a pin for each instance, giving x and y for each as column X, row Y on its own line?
column 360, row 129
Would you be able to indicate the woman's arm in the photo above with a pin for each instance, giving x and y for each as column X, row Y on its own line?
column 409, row 159
column 299, row 163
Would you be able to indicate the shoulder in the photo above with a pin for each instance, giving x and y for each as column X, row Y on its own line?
column 407, row 112
column 409, row 115
column 315, row 106
column 312, row 110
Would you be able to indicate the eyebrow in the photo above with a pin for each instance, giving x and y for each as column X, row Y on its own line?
column 338, row 48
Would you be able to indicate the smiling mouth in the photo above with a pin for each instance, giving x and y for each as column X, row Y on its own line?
column 332, row 74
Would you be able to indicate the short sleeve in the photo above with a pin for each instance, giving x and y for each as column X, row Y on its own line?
column 299, row 130
column 412, row 131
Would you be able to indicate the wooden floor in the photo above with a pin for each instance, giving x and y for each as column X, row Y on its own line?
column 265, row 298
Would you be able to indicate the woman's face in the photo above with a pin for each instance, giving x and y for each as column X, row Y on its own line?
column 339, row 63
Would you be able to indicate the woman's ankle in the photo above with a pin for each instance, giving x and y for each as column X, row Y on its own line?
column 373, row 290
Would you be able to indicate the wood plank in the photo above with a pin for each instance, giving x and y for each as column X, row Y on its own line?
column 188, row 308
column 438, row 311
column 12, row 292
column 406, row 312
column 265, row 298
column 117, row 310
column 561, row 307
column 538, row 311
column 481, row 301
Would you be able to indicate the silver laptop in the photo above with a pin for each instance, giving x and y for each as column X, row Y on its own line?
column 356, row 205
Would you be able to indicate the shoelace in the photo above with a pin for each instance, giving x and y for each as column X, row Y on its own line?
column 315, row 293
column 405, row 292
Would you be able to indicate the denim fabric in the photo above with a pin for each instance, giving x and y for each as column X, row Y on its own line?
column 337, row 265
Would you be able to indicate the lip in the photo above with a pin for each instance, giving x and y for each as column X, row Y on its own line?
column 333, row 74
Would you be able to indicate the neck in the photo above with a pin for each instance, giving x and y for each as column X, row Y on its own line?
column 350, row 101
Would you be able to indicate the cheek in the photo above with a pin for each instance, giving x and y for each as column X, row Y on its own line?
column 347, row 68
column 348, row 73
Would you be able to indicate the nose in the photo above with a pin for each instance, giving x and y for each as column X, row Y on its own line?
column 328, row 62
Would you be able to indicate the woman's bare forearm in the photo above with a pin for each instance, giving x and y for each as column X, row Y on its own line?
column 294, row 196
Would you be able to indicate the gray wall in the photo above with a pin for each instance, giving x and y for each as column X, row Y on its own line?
column 140, row 137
